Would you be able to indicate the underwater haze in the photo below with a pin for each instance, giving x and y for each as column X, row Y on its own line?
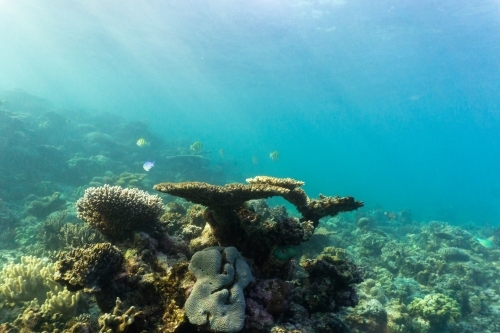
column 396, row 103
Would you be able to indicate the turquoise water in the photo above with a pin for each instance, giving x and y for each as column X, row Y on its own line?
column 393, row 102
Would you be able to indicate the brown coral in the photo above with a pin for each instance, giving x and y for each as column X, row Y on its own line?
column 88, row 268
column 117, row 212
column 235, row 224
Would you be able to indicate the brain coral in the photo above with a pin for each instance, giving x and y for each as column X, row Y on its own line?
column 217, row 298
column 117, row 212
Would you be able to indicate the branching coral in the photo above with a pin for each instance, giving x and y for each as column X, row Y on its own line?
column 120, row 320
column 27, row 280
column 64, row 302
column 117, row 212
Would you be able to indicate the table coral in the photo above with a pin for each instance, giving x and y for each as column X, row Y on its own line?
column 217, row 298
column 117, row 212
column 235, row 223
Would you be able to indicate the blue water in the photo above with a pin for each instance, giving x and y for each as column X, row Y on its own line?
column 393, row 102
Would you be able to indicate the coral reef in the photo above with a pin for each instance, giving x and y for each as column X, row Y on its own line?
column 117, row 212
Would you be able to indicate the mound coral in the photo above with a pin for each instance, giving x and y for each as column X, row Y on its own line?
column 217, row 298
column 88, row 268
column 117, row 212
column 435, row 308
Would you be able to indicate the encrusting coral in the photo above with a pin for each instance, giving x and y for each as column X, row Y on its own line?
column 217, row 298
column 117, row 212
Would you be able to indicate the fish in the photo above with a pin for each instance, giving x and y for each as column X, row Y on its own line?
column 222, row 152
column 197, row 146
column 148, row 165
column 274, row 155
column 142, row 142
column 485, row 242
column 255, row 160
column 390, row 215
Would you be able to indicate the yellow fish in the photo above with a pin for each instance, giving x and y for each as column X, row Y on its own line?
column 222, row 152
column 142, row 142
column 274, row 155
column 197, row 146
column 255, row 160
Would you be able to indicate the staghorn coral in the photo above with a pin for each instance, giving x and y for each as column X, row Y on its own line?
column 217, row 298
column 117, row 212
column 88, row 268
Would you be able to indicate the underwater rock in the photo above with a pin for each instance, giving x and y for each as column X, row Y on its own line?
column 117, row 212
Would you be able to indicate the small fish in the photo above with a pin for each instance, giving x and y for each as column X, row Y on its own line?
column 222, row 152
column 142, row 142
column 274, row 155
column 255, row 160
column 390, row 215
column 197, row 146
column 485, row 242
column 148, row 165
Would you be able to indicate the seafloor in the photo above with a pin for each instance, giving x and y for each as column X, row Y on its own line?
column 90, row 242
